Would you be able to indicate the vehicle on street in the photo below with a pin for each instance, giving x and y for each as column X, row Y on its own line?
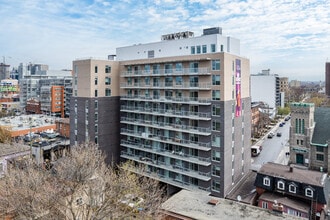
column 279, row 134
column 270, row 135
column 255, row 150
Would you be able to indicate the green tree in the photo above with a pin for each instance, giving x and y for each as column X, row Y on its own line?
column 283, row 111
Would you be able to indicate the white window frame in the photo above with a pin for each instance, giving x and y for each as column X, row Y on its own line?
column 266, row 181
column 264, row 205
column 279, row 183
column 294, row 187
column 309, row 192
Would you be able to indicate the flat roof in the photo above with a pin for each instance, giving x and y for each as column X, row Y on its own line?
column 199, row 205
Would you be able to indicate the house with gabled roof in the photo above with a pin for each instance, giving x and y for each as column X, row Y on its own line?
column 293, row 190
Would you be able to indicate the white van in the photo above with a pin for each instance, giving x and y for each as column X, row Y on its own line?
column 255, row 150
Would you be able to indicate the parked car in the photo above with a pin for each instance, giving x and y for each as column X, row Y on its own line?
column 279, row 134
column 255, row 150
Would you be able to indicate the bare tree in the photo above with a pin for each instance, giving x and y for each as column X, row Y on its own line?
column 79, row 186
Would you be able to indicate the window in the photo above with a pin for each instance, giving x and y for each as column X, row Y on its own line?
column 215, row 80
column 107, row 92
column 215, row 170
column 212, row 48
column 280, row 185
column 95, row 81
column 294, row 212
column 216, row 185
column 221, row 48
column 215, row 64
column 216, row 155
column 178, row 80
column 178, row 67
column 309, row 192
column 193, row 67
column 151, row 54
column 147, row 80
column 292, row 188
column 320, row 157
column 147, row 68
column 264, row 205
column 107, row 80
column 168, row 68
column 198, row 49
column 95, row 69
column 79, row 201
column 319, row 149
column 95, row 92
column 107, row 69
column 301, row 142
column 96, row 128
column 192, row 49
column 216, row 110
column 215, row 94
column 215, row 141
column 204, row 49
column 266, row 181
column 95, row 104
column 216, row 126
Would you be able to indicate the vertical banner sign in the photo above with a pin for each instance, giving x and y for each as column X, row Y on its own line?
column 238, row 89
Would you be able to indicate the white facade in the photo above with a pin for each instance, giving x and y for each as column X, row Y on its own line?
column 180, row 47
column 263, row 89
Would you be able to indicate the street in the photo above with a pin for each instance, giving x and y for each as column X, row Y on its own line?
column 273, row 149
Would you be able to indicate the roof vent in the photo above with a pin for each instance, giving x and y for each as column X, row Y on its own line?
column 213, row 202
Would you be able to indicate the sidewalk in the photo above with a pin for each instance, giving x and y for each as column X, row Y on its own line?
column 282, row 157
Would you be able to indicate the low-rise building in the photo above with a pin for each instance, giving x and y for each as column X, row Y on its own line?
column 295, row 190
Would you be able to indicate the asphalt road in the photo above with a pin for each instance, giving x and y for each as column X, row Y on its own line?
column 273, row 149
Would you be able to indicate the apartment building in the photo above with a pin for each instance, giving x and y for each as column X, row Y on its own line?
column 94, row 107
column 327, row 79
column 186, row 110
column 180, row 107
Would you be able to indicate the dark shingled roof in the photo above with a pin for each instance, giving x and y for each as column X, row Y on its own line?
column 322, row 127
column 298, row 175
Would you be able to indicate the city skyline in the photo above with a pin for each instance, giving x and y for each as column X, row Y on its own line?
column 291, row 38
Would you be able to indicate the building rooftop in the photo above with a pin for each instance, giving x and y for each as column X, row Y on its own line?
column 297, row 174
column 321, row 131
column 197, row 205
column 8, row 149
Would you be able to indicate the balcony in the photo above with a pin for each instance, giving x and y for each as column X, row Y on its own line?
column 167, row 72
column 206, row 131
column 170, row 167
column 163, row 99
column 204, row 146
column 166, row 153
column 167, row 112
column 170, row 86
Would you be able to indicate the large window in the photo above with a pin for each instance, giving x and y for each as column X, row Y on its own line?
column 320, row 157
column 107, row 92
column 215, row 94
column 198, row 49
column 107, row 69
column 192, row 50
column 216, row 155
column 95, row 69
column 168, row 68
column 204, row 49
column 107, row 80
column 266, row 181
column 319, row 149
column 215, row 64
column 216, row 110
column 264, row 205
column 216, row 185
column 178, row 67
column 215, row 80
column 178, row 80
column 215, row 141
column 212, row 48
column 215, row 125
column 215, row 170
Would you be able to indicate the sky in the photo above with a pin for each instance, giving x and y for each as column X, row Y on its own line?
column 289, row 37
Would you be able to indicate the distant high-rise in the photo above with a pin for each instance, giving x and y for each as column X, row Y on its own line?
column 327, row 79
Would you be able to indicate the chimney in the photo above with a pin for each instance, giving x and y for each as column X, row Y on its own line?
column 291, row 168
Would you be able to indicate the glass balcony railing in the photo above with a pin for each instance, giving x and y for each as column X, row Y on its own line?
column 205, row 146
column 182, row 99
column 171, row 154
column 167, row 112
column 163, row 85
column 168, row 126
column 167, row 72
column 170, row 167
